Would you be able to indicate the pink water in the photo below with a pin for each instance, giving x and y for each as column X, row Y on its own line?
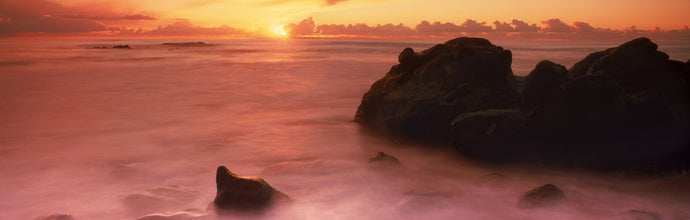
column 120, row 134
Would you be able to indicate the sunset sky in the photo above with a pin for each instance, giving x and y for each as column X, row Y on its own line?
column 266, row 17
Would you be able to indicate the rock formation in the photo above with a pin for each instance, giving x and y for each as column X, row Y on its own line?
column 237, row 193
column 419, row 97
column 626, row 106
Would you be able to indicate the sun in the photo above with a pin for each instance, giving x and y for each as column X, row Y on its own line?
column 278, row 30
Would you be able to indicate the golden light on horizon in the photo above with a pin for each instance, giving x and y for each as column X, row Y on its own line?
column 278, row 29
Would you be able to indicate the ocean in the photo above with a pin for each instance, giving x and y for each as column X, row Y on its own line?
column 103, row 133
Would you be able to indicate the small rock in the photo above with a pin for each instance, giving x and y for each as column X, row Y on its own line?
column 545, row 195
column 382, row 157
column 243, row 193
column 56, row 217
column 639, row 215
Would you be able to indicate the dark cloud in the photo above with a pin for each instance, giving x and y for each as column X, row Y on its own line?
column 41, row 16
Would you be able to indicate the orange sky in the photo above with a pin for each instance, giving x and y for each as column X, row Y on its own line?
column 266, row 16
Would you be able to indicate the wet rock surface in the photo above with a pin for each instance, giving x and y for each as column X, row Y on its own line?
column 420, row 97
column 624, row 107
column 546, row 195
column 236, row 193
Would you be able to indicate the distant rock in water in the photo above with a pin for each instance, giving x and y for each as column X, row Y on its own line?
column 384, row 158
column 122, row 47
column 56, row 217
column 545, row 195
column 624, row 107
column 419, row 97
column 235, row 193
column 186, row 44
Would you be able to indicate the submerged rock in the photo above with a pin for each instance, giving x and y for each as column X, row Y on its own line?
column 243, row 193
column 384, row 158
column 624, row 107
column 545, row 195
column 420, row 97
column 56, row 217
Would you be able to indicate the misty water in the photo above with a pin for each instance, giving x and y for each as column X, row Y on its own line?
column 124, row 133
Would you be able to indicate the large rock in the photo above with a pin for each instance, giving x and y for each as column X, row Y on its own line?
column 546, row 78
column 419, row 97
column 626, row 106
column 236, row 193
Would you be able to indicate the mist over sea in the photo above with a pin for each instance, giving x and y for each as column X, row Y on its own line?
column 123, row 133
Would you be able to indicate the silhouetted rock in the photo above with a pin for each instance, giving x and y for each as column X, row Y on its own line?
column 545, row 195
column 121, row 47
column 420, row 97
column 542, row 81
column 384, row 158
column 56, row 217
column 243, row 193
column 624, row 107
column 639, row 215
column 485, row 133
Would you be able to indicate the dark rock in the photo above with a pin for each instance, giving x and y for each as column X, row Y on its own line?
column 122, row 46
column 420, row 97
column 545, row 195
column 56, row 217
column 243, row 193
column 639, row 215
column 624, row 107
column 546, row 78
column 384, row 158
column 489, row 134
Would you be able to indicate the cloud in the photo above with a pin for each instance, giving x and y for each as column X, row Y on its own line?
column 437, row 28
column 503, row 27
column 556, row 25
column 473, row 26
column 304, row 27
column 123, row 17
column 521, row 26
column 40, row 16
column 516, row 29
column 179, row 28
column 365, row 30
